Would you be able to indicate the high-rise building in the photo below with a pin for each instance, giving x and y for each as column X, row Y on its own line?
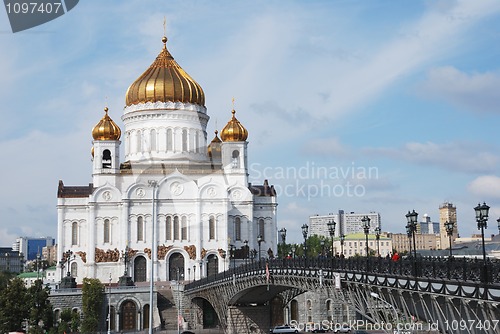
column 426, row 226
column 346, row 223
column 32, row 247
column 11, row 260
column 447, row 213
column 173, row 203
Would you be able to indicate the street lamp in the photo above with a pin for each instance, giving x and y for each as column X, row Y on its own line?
column 366, row 227
column 259, row 241
column 293, row 251
column 153, row 184
column 331, row 229
column 377, row 237
column 322, row 244
column 246, row 250
column 482, row 223
column 231, row 254
column 448, row 225
column 305, row 229
column 253, row 253
column 411, row 228
column 109, row 306
column 342, row 238
column 282, row 233
column 498, row 222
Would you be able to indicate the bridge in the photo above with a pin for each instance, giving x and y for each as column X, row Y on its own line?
column 422, row 295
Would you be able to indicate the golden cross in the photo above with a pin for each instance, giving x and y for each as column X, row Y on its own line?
column 164, row 26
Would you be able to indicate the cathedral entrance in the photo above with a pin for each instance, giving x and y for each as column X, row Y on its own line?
column 140, row 269
column 212, row 265
column 129, row 312
column 176, row 267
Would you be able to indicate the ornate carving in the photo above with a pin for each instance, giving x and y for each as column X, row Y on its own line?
column 222, row 253
column 203, row 253
column 162, row 251
column 131, row 252
column 83, row 256
column 191, row 250
column 111, row 255
column 148, row 252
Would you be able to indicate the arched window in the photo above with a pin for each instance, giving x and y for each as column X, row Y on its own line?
column 183, row 228
column 140, row 229
column 74, row 269
column 237, row 228
column 168, row 228
column 184, row 141
column 106, row 159
column 176, row 227
column 211, row 228
column 262, row 229
column 153, row 140
column 236, row 159
column 106, row 230
column 74, row 233
column 170, row 139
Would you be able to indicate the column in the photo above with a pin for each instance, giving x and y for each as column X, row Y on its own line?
column 91, row 241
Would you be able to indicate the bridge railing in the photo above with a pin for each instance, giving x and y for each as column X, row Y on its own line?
column 460, row 269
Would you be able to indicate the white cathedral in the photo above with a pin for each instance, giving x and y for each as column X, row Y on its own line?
column 175, row 203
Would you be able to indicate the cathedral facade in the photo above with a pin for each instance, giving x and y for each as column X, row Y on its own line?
column 175, row 206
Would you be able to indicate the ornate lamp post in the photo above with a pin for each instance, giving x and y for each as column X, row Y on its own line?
column 259, row 241
column 322, row 244
column 408, row 233
column 449, row 230
column 498, row 222
column 253, row 253
column 377, row 237
column 482, row 223
column 411, row 228
column 293, row 251
column 342, row 238
column 331, row 229
column 366, row 228
column 282, row 233
column 246, row 251
column 231, row 254
column 305, row 229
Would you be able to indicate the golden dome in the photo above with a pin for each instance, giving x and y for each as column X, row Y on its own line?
column 106, row 129
column 165, row 81
column 234, row 130
column 214, row 150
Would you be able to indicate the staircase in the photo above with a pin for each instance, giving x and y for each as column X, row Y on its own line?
column 167, row 307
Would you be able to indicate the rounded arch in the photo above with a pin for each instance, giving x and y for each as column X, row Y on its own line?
column 210, row 318
column 128, row 311
column 140, row 269
column 212, row 264
column 176, row 266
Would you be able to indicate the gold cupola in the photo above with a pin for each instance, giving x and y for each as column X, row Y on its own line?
column 214, row 148
column 165, row 81
column 106, row 129
column 234, row 130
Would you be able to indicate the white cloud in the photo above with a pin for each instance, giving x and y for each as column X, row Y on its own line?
column 325, row 147
column 486, row 186
column 456, row 156
column 475, row 91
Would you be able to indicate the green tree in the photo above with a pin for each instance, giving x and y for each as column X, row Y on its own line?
column 92, row 300
column 65, row 321
column 41, row 316
column 14, row 306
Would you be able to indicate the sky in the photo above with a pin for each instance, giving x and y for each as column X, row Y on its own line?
column 384, row 106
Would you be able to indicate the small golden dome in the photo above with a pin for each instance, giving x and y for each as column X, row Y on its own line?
column 234, row 130
column 214, row 150
column 165, row 81
column 106, row 129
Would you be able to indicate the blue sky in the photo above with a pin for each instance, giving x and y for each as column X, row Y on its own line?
column 407, row 89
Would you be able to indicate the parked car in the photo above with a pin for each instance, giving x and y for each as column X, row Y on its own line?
column 283, row 329
column 344, row 328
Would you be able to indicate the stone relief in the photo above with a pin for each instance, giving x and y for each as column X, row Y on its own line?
column 222, row 253
column 162, row 251
column 83, row 256
column 148, row 252
column 203, row 253
column 111, row 255
column 191, row 250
